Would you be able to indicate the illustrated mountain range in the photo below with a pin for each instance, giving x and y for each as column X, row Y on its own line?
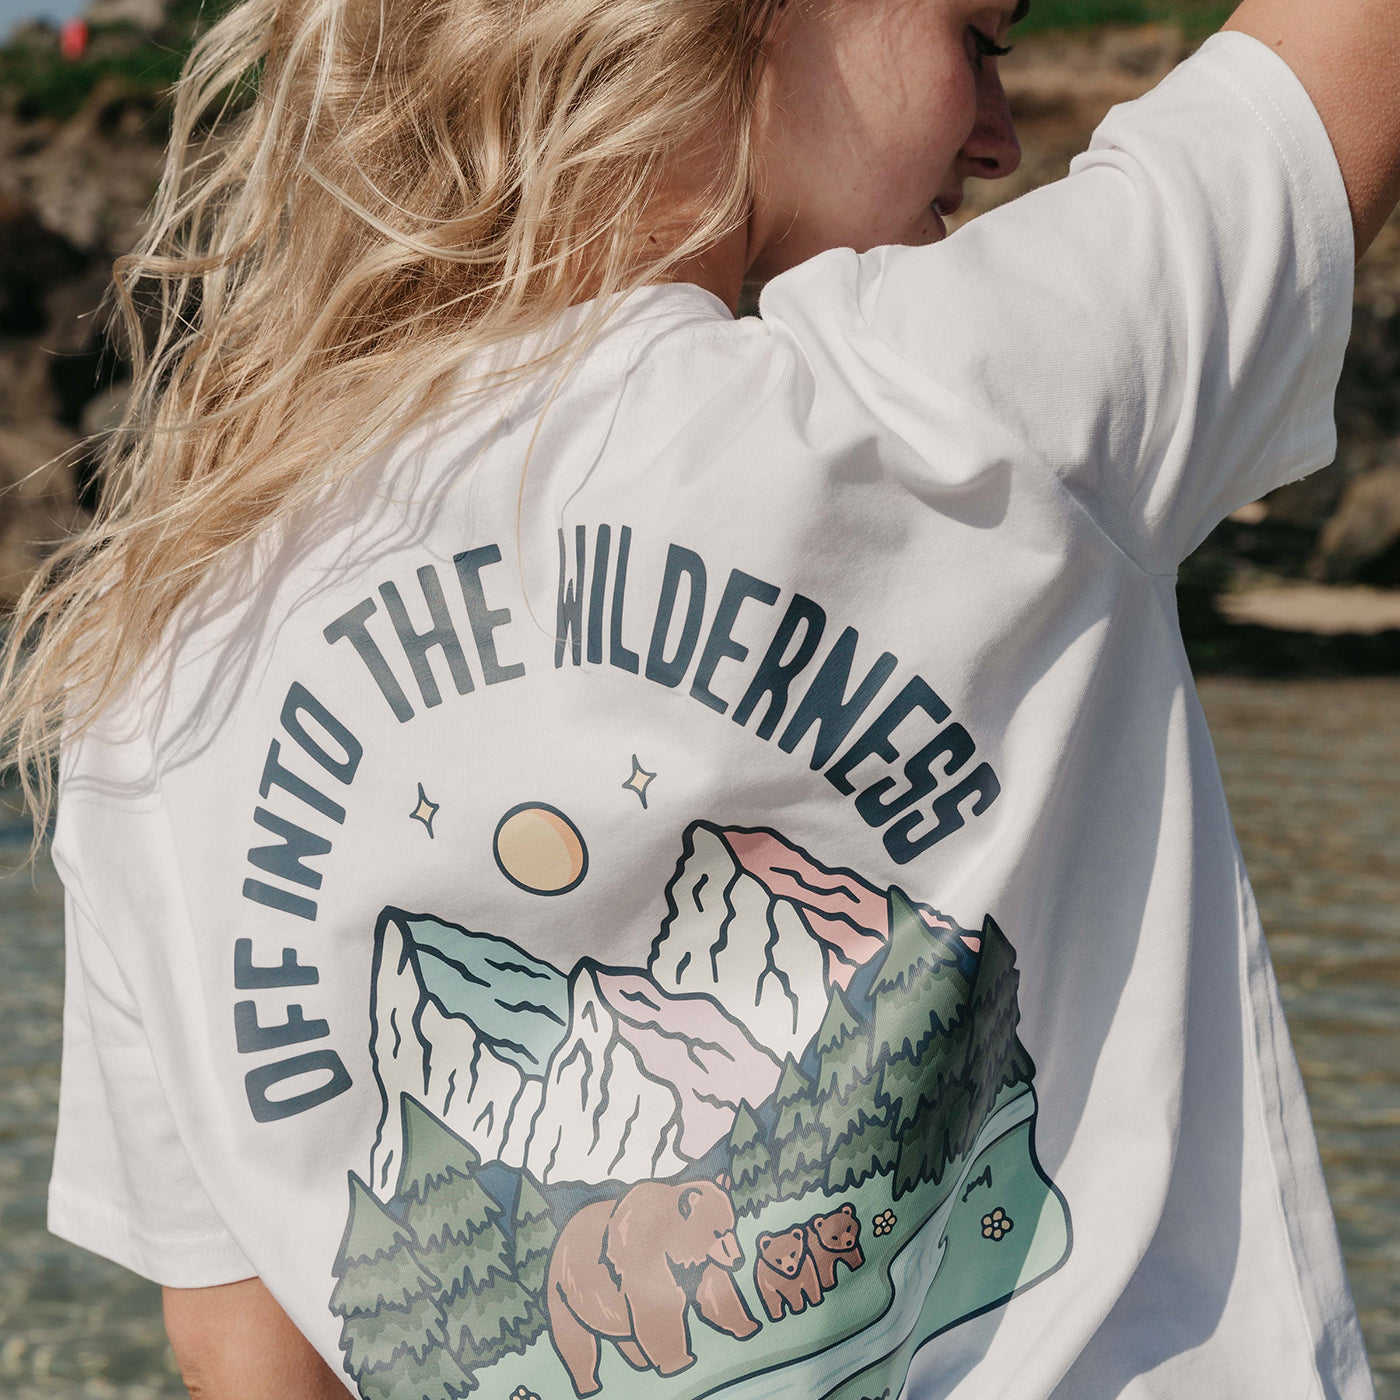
column 601, row 1074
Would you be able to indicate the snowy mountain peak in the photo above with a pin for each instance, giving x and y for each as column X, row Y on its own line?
column 603, row 1117
column 424, row 1044
column 766, row 930
column 623, row 1074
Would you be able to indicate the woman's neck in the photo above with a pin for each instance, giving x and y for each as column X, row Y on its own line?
column 719, row 269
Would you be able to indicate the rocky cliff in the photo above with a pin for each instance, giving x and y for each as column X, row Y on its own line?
column 80, row 150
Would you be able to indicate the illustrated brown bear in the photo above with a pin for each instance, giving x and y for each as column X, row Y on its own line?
column 785, row 1272
column 832, row 1239
column 628, row 1270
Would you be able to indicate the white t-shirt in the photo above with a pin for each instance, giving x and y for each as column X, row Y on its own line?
column 733, row 895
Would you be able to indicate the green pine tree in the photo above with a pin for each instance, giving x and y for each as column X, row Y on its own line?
column 897, row 1091
column 934, row 1134
column 532, row 1243
column 412, row 1379
column 996, row 1057
column 395, row 1339
column 750, row 1164
column 854, row 1128
column 841, row 1050
column 535, row 1233
column 392, row 1328
column 377, row 1266
column 919, row 992
column 800, row 1140
column 458, row 1226
column 962, row 1073
column 861, row 1150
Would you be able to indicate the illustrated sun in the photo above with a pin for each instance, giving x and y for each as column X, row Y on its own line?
column 538, row 849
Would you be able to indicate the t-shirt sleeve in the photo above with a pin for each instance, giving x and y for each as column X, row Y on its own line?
column 122, row 1183
column 1165, row 328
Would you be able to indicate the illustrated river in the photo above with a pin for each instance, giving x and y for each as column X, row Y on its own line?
column 918, row 1259
column 1313, row 773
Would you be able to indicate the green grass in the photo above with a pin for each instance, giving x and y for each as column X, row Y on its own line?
column 37, row 82
column 1196, row 17
column 42, row 84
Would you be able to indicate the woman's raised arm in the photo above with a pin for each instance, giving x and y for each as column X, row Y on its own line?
column 1347, row 55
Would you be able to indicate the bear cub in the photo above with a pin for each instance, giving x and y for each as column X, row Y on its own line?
column 797, row 1266
column 785, row 1272
column 833, row 1239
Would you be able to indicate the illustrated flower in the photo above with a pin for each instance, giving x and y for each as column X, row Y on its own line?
column 521, row 1393
column 884, row 1222
column 997, row 1224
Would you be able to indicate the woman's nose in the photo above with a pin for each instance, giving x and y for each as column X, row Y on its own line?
column 993, row 151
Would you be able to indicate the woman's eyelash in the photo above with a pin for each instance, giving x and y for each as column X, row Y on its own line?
column 987, row 47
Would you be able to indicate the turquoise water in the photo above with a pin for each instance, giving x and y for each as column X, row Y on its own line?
column 1311, row 769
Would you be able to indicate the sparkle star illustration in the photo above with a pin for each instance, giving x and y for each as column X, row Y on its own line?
column 639, row 781
column 425, row 811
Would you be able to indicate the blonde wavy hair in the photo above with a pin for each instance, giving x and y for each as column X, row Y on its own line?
column 359, row 197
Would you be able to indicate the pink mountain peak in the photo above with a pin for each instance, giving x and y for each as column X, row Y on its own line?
column 845, row 912
column 849, row 915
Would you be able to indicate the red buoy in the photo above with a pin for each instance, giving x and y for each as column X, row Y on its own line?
column 73, row 38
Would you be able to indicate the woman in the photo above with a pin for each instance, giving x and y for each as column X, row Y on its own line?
column 611, row 848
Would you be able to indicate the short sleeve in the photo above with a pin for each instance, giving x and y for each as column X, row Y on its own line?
column 1164, row 329
column 122, row 1184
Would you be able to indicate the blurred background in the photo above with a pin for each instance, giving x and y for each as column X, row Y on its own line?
column 1291, row 612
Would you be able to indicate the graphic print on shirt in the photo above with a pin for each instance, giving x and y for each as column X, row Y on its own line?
column 652, row 1180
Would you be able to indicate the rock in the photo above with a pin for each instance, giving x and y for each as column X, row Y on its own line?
column 89, row 178
column 1321, row 609
column 1378, row 274
column 1308, row 503
column 144, row 14
column 37, row 502
column 32, row 257
column 103, row 413
column 54, row 354
column 1368, row 408
column 1361, row 543
column 26, row 395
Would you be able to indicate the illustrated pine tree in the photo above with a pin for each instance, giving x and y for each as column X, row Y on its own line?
column 842, row 1050
column 920, row 992
column 897, row 1089
column 853, row 1128
column 460, row 1238
column 393, row 1332
column 751, row 1164
column 997, row 1060
column 532, row 1242
column 916, row 1043
column 799, row 1140
column 965, row 1072
column 412, row 1378
column 534, row 1236
column 860, row 1151
column 933, row 1134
